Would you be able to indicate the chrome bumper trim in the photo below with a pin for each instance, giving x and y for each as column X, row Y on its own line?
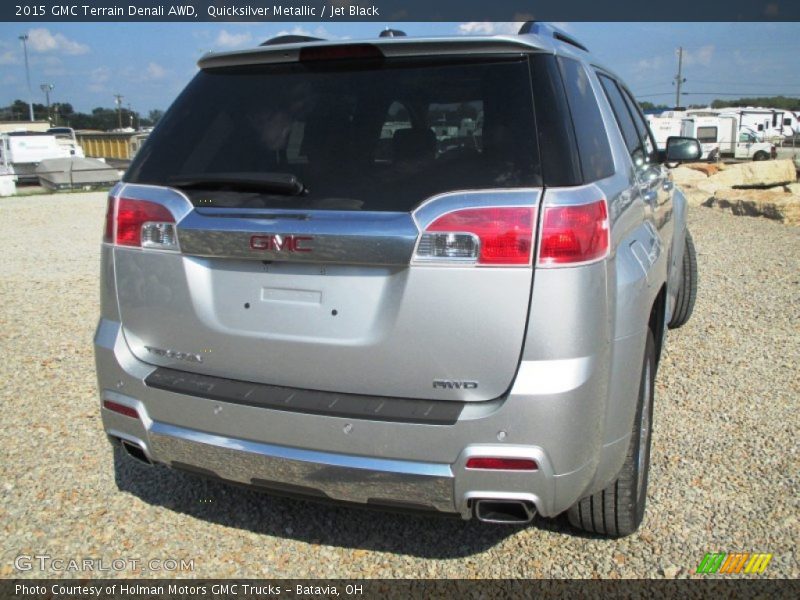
column 340, row 477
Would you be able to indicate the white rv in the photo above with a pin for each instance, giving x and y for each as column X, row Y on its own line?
column 768, row 123
column 664, row 127
column 724, row 136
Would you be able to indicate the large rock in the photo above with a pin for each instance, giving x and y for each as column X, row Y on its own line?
column 765, row 173
column 694, row 196
column 682, row 175
column 772, row 204
column 704, row 168
column 793, row 188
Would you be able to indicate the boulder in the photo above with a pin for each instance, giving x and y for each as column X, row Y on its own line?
column 705, row 168
column 682, row 175
column 694, row 196
column 710, row 186
column 755, row 174
column 793, row 188
column 772, row 204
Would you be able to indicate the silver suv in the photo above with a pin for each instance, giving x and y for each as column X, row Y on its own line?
column 414, row 273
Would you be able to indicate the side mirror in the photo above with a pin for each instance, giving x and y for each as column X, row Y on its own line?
column 682, row 149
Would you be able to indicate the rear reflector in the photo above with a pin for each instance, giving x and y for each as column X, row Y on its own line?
column 574, row 234
column 493, row 236
column 121, row 409
column 140, row 224
column 502, row 464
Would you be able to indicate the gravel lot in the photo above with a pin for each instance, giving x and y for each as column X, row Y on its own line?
column 725, row 456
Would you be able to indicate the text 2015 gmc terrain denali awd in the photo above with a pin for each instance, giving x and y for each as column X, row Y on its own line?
column 425, row 273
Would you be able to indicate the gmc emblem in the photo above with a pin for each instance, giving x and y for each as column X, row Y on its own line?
column 281, row 243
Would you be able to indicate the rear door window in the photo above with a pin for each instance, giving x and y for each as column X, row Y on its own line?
column 377, row 135
column 595, row 153
column 624, row 120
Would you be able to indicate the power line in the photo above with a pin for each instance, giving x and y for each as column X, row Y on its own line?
column 741, row 94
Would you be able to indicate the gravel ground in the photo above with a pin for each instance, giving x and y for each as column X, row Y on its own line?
column 725, row 455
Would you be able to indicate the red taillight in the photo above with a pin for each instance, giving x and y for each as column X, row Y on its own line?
column 574, row 234
column 132, row 214
column 121, row 409
column 139, row 223
column 502, row 464
column 503, row 235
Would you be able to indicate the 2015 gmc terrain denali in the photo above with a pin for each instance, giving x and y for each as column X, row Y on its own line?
column 416, row 273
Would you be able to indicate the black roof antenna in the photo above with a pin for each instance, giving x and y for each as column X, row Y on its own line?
column 392, row 33
column 547, row 30
column 290, row 39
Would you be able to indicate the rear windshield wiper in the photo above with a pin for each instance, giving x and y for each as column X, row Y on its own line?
column 275, row 183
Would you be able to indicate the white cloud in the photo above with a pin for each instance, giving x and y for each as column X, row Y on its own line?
column 489, row 28
column 294, row 31
column 233, row 40
column 701, row 56
column 9, row 58
column 155, row 71
column 319, row 32
column 41, row 40
column 100, row 75
column 649, row 64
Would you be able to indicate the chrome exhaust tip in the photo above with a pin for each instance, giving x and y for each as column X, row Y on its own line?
column 136, row 452
column 512, row 512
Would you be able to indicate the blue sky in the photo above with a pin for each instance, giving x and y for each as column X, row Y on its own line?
column 150, row 63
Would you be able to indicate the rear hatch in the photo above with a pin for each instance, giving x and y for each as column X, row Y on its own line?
column 354, row 226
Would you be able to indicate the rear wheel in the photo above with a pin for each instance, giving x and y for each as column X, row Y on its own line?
column 687, row 293
column 618, row 509
column 760, row 155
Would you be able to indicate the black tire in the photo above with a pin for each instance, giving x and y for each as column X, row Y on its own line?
column 618, row 510
column 687, row 293
column 761, row 155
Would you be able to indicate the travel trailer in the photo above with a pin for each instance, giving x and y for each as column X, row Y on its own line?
column 664, row 127
column 724, row 136
column 767, row 123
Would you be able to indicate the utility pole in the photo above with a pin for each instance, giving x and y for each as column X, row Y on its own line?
column 47, row 88
column 24, row 39
column 679, row 80
column 118, row 98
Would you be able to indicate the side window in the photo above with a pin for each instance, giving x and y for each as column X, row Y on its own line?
column 559, row 155
column 595, row 152
column 707, row 135
column 641, row 126
column 625, row 120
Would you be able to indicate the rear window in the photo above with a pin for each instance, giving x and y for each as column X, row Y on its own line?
column 368, row 136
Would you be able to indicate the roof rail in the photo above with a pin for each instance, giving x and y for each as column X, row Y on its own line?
column 290, row 39
column 545, row 29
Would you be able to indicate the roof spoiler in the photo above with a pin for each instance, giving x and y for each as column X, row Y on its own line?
column 548, row 30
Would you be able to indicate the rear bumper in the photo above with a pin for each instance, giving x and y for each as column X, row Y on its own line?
column 372, row 462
